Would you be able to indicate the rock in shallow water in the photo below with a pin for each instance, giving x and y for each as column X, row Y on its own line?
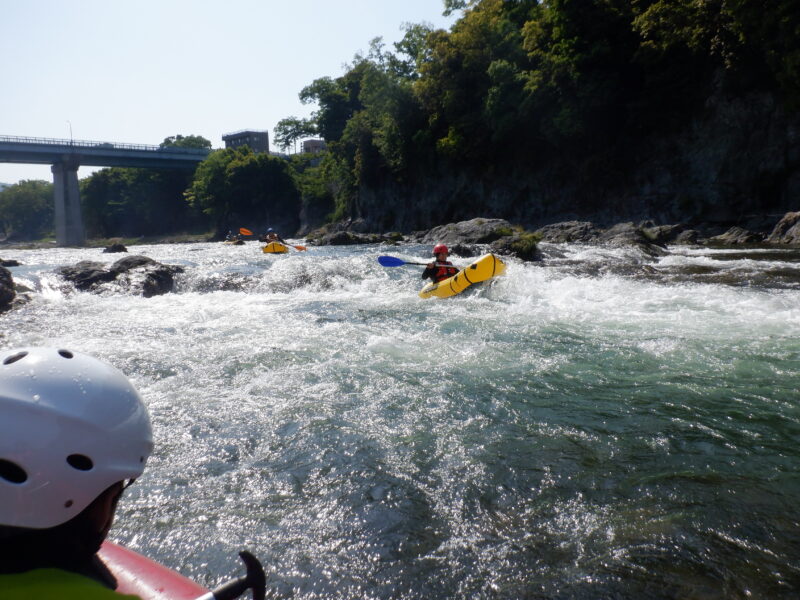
column 143, row 275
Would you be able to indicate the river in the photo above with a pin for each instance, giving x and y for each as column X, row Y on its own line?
column 596, row 425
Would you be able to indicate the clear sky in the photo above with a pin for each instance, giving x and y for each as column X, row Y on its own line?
column 140, row 71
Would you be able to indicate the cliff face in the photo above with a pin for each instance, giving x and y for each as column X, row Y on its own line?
column 737, row 163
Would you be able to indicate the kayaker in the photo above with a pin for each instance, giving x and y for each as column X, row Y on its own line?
column 73, row 435
column 441, row 268
column 273, row 237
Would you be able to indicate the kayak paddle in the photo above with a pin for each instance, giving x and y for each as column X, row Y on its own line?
column 245, row 231
column 393, row 261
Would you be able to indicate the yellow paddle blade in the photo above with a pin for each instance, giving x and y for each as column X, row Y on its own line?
column 245, row 231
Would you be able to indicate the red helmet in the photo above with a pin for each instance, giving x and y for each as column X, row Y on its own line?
column 440, row 248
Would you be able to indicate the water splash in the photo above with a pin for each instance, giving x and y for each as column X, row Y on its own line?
column 600, row 424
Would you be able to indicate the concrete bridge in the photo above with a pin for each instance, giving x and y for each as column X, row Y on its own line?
column 66, row 156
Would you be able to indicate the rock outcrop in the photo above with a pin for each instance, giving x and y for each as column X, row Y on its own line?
column 736, row 236
column 474, row 231
column 787, row 231
column 690, row 237
column 136, row 273
column 350, row 231
column 569, row 231
column 7, row 292
column 520, row 245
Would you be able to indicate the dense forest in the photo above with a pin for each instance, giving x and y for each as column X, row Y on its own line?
column 534, row 111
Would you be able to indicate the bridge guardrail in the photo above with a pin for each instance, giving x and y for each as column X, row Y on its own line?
column 105, row 145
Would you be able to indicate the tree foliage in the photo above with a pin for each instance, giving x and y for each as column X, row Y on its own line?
column 26, row 210
column 123, row 201
column 570, row 86
column 188, row 141
column 291, row 129
column 236, row 186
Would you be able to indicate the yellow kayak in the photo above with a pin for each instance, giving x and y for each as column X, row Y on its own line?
column 275, row 248
column 486, row 267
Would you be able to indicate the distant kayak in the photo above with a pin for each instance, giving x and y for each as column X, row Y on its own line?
column 137, row 574
column 234, row 242
column 275, row 248
column 486, row 267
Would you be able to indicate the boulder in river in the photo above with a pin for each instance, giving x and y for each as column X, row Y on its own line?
column 787, row 231
column 521, row 245
column 474, row 231
column 688, row 237
column 663, row 234
column 569, row 231
column 86, row 274
column 7, row 292
column 736, row 236
column 628, row 234
column 621, row 234
column 347, row 232
column 113, row 248
column 345, row 238
column 136, row 273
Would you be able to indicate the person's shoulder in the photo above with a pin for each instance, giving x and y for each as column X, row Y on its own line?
column 39, row 584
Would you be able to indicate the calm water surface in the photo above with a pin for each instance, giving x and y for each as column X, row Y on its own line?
column 597, row 425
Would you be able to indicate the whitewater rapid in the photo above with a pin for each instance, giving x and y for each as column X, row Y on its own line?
column 597, row 424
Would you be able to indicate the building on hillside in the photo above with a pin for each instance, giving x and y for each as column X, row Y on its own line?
column 312, row 146
column 258, row 141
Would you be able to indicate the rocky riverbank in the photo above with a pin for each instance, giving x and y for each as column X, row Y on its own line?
column 504, row 238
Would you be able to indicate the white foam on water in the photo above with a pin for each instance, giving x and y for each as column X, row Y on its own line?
column 313, row 407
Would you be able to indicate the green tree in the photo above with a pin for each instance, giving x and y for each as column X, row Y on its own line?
column 315, row 187
column 123, row 201
column 337, row 101
column 752, row 46
column 455, row 83
column 189, row 141
column 236, row 186
column 291, row 129
column 137, row 202
column 26, row 210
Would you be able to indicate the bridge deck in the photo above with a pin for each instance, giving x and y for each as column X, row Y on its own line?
column 97, row 154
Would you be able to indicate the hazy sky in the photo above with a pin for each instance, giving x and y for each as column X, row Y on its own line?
column 138, row 71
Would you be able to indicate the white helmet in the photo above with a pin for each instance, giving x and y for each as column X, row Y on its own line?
column 70, row 427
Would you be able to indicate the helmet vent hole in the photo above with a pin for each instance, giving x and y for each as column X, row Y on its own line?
column 15, row 357
column 12, row 472
column 66, row 353
column 80, row 462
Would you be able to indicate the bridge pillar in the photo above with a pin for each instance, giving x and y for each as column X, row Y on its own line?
column 69, row 222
